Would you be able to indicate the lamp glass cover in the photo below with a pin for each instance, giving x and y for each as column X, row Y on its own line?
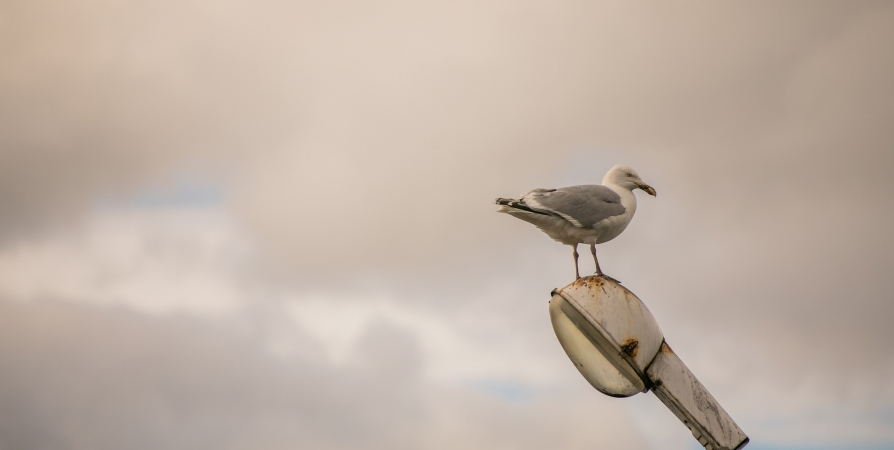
column 592, row 355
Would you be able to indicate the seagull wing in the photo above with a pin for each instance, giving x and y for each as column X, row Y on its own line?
column 583, row 206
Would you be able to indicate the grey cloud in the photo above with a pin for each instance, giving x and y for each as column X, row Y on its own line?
column 79, row 377
column 361, row 144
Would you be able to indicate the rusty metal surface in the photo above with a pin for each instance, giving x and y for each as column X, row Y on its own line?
column 591, row 353
column 607, row 332
column 620, row 315
column 685, row 396
column 615, row 343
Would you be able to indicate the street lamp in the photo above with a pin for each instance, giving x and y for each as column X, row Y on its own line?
column 615, row 343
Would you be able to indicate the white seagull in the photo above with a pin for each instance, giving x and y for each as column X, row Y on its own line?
column 588, row 214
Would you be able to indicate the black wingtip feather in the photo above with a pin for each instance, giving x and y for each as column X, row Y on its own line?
column 517, row 204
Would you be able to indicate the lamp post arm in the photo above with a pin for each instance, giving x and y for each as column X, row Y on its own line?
column 684, row 395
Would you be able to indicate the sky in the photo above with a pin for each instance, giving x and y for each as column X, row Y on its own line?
column 270, row 225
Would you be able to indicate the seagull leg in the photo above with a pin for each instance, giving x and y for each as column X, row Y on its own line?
column 576, row 271
column 593, row 251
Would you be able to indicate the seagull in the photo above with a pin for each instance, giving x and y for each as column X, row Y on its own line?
column 587, row 214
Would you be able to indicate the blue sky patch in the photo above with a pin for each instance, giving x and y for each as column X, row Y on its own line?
column 180, row 193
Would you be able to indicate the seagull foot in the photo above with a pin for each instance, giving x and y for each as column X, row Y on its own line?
column 602, row 275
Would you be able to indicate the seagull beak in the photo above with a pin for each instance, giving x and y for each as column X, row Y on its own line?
column 648, row 189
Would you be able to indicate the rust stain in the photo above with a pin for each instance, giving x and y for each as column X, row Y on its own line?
column 666, row 348
column 630, row 347
column 587, row 281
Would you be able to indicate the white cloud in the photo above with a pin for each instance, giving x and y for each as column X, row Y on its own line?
column 457, row 348
column 368, row 139
column 156, row 261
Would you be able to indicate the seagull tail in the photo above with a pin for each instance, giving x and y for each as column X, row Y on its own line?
column 510, row 204
column 505, row 201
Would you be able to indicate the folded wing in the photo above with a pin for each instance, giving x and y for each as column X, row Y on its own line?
column 583, row 206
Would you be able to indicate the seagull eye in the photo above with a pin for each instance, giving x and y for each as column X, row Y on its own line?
column 629, row 174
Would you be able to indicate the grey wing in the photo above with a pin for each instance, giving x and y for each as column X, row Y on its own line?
column 584, row 206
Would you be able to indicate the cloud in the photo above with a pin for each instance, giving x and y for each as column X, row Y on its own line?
column 112, row 378
column 273, row 223
column 156, row 261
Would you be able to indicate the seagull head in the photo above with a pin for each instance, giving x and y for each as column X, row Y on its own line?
column 627, row 178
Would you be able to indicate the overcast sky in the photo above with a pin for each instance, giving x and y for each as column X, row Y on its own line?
column 270, row 225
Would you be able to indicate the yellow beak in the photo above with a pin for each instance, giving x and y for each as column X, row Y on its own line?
column 648, row 189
